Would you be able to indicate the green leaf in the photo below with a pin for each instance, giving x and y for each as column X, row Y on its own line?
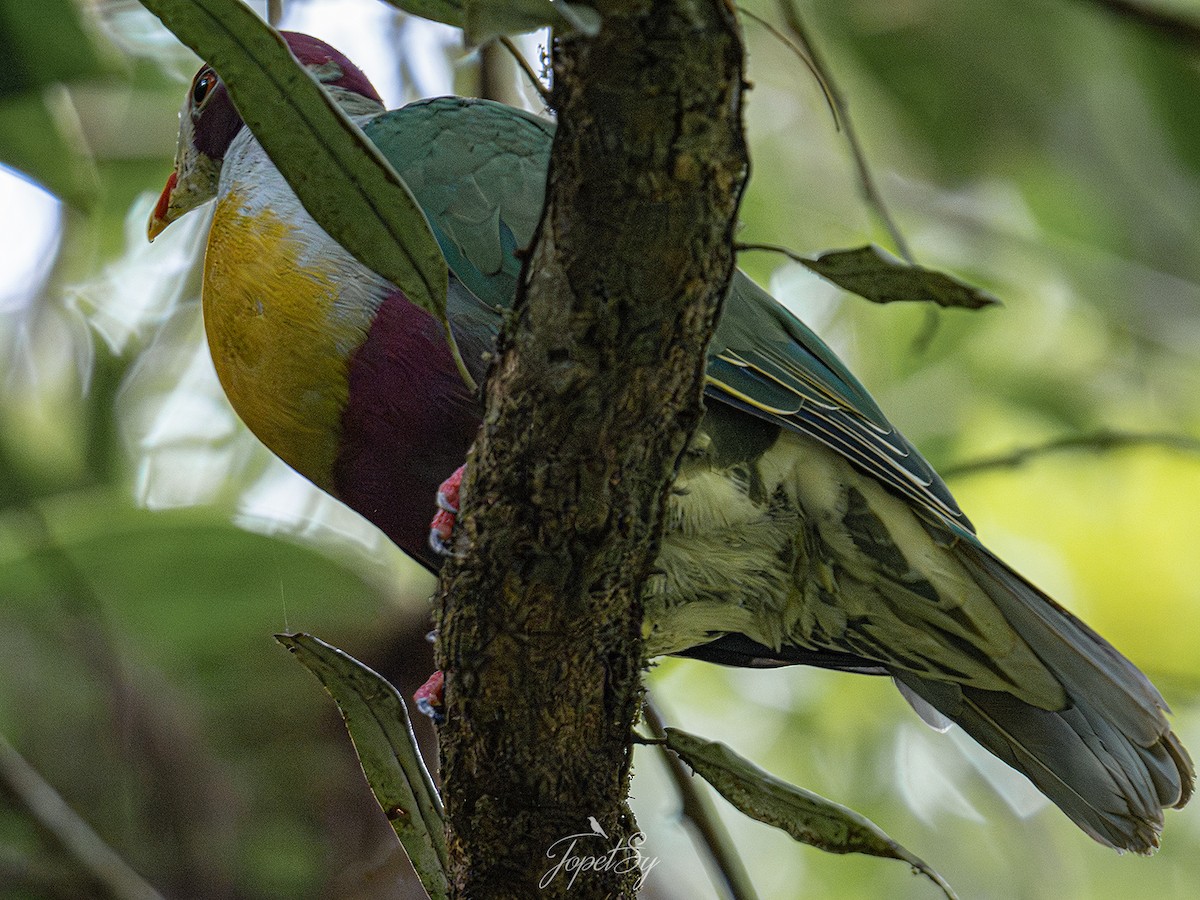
column 807, row 817
column 341, row 177
column 881, row 278
column 378, row 723
column 483, row 20
column 449, row 12
column 486, row 19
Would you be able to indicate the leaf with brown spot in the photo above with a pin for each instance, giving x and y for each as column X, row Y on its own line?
column 807, row 817
column 377, row 720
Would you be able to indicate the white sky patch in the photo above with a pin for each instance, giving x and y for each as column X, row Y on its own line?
column 806, row 294
column 425, row 51
column 30, row 227
column 1014, row 788
column 181, row 431
column 139, row 33
column 193, row 411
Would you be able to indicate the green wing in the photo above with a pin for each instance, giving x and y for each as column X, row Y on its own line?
column 770, row 364
column 478, row 169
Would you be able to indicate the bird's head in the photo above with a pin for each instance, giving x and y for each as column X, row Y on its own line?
column 209, row 122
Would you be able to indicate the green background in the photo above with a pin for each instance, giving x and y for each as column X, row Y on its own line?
column 1048, row 152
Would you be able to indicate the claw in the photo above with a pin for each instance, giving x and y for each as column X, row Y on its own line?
column 430, row 697
column 441, row 529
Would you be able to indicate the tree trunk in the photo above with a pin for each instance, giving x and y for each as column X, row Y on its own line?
column 594, row 394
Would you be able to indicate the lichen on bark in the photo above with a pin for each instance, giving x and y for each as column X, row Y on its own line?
column 594, row 392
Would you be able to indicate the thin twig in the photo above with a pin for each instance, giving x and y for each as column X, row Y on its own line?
column 866, row 180
column 929, row 330
column 804, row 58
column 698, row 810
column 536, row 82
column 1097, row 442
column 791, row 254
column 274, row 12
column 495, row 74
column 71, row 832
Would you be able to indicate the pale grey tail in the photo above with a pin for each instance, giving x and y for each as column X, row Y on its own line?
column 1109, row 759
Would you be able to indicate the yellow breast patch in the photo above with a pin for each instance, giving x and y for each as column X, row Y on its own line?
column 279, row 349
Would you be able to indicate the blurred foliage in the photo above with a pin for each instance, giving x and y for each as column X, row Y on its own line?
column 1047, row 151
column 39, row 131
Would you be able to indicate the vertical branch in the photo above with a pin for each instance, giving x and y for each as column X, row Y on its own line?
column 496, row 73
column 594, row 393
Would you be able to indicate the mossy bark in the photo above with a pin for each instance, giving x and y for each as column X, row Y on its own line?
column 594, row 393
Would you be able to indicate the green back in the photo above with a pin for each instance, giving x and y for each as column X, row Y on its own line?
column 478, row 169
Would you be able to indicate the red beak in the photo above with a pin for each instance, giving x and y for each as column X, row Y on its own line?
column 158, row 219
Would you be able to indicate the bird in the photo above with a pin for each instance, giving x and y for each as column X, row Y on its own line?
column 802, row 527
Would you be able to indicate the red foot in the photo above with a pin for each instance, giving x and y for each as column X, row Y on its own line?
column 430, row 697
column 442, row 527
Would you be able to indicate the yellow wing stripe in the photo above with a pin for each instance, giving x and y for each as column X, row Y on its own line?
column 875, row 448
column 746, row 398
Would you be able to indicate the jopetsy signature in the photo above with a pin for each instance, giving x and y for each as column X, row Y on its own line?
column 585, row 852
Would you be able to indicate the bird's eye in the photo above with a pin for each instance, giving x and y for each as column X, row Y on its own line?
column 202, row 88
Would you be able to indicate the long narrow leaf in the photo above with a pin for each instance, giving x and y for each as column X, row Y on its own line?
column 448, row 12
column 378, row 723
column 483, row 20
column 881, row 278
column 807, row 817
column 341, row 177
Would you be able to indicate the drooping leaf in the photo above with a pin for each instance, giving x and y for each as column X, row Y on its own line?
column 378, row 723
column 807, row 817
column 170, row 608
column 483, row 20
column 341, row 178
column 881, row 278
column 448, row 12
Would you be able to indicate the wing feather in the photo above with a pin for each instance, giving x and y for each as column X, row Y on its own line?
column 478, row 170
